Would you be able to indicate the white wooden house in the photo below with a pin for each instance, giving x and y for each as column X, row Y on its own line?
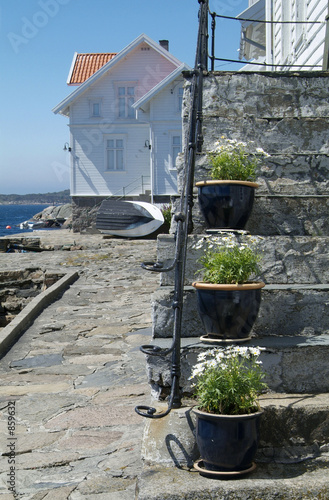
column 125, row 121
column 292, row 38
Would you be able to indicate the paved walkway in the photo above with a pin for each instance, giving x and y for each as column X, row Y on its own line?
column 69, row 386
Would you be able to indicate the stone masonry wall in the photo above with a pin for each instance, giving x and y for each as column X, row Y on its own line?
column 286, row 114
column 18, row 288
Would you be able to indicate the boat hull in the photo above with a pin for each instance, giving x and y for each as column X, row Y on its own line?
column 130, row 219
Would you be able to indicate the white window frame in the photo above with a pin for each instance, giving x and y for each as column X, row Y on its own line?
column 129, row 112
column 286, row 31
column 180, row 93
column 92, row 102
column 116, row 148
column 300, row 15
column 172, row 155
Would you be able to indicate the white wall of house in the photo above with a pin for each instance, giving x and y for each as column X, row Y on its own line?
column 299, row 43
column 166, row 129
column 91, row 176
column 165, row 174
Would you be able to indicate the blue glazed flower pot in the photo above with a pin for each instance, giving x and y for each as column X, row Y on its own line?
column 227, row 443
column 228, row 312
column 226, row 204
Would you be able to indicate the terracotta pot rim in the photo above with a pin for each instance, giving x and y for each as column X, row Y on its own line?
column 201, row 285
column 214, row 182
column 219, row 415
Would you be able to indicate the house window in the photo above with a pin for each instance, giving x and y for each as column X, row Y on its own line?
column 126, row 98
column 115, row 149
column 176, row 147
column 95, row 108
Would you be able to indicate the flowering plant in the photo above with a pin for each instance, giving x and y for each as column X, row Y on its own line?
column 229, row 380
column 228, row 262
column 232, row 160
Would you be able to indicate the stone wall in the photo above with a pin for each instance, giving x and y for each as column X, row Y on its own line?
column 271, row 109
column 84, row 212
column 286, row 114
column 18, row 288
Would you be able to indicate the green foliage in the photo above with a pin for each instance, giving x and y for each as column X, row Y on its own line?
column 235, row 160
column 229, row 380
column 166, row 212
column 233, row 165
column 230, row 265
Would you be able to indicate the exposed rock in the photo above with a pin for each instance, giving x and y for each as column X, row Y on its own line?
column 55, row 212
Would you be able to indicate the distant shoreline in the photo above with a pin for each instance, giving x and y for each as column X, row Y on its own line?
column 57, row 198
column 34, row 203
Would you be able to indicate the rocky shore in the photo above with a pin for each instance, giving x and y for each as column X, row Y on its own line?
column 61, row 213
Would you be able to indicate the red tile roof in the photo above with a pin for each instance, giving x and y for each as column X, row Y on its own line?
column 85, row 65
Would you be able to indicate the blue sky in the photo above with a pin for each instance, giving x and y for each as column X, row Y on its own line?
column 38, row 39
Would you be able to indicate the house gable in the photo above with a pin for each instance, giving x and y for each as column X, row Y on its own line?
column 63, row 107
column 142, row 70
column 144, row 101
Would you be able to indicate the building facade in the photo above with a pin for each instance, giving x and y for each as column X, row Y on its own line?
column 293, row 36
column 125, row 122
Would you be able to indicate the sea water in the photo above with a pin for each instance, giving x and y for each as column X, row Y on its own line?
column 14, row 215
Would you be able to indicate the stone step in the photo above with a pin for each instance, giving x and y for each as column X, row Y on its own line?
column 281, row 215
column 289, row 215
column 285, row 259
column 269, row 95
column 291, row 174
column 144, row 197
column 292, row 364
column 293, row 310
column 292, row 460
column 292, row 198
column 294, row 427
column 287, row 135
column 302, row 481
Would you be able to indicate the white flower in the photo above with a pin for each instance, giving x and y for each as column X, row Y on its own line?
column 242, row 351
column 229, row 145
column 261, row 151
column 197, row 370
column 219, row 356
column 199, row 245
column 254, row 351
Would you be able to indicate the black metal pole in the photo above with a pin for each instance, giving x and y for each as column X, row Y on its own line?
column 183, row 220
column 213, row 29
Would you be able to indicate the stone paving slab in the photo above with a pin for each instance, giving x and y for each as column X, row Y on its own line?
column 303, row 481
column 74, row 377
column 11, row 332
